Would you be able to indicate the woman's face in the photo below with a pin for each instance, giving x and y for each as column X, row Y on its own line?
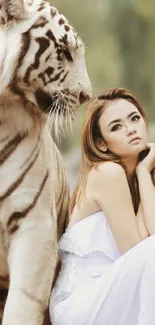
column 123, row 128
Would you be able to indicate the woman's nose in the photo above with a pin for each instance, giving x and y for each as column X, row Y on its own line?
column 130, row 129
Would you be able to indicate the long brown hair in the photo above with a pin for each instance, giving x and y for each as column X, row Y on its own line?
column 91, row 154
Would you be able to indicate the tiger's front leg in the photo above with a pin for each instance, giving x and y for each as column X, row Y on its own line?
column 32, row 259
column 3, row 295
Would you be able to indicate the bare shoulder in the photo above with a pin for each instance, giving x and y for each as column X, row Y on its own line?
column 110, row 167
column 107, row 170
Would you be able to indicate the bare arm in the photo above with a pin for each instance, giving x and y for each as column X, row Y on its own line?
column 111, row 191
column 146, row 188
column 147, row 194
column 141, row 222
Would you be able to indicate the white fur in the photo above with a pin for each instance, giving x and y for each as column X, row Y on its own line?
column 28, row 255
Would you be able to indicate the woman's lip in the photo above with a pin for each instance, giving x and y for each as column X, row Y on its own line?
column 135, row 139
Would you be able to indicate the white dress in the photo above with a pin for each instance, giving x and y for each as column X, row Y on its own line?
column 98, row 286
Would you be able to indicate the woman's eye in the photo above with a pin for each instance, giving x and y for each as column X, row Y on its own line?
column 116, row 127
column 135, row 118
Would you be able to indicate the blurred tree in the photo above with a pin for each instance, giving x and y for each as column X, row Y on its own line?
column 119, row 39
column 134, row 28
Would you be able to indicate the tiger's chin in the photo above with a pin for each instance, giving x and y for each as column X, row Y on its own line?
column 60, row 113
column 45, row 101
column 53, row 103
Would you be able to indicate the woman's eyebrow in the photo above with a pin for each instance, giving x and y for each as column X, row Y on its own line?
column 118, row 120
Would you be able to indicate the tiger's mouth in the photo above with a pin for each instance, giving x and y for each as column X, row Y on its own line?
column 45, row 101
column 60, row 112
column 53, row 103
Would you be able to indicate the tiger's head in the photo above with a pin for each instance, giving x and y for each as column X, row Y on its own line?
column 42, row 58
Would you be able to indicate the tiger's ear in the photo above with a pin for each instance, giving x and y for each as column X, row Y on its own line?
column 17, row 9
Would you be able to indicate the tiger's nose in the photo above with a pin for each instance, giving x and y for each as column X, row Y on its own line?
column 84, row 97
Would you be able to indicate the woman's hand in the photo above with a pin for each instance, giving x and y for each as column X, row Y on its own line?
column 148, row 163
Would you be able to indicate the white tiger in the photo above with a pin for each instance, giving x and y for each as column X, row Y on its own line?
column 42, row 72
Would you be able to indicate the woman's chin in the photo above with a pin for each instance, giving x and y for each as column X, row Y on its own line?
column 137, row 150
column 138, row 146
column 134, row 150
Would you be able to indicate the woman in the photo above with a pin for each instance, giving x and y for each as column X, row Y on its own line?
column 108, row 250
